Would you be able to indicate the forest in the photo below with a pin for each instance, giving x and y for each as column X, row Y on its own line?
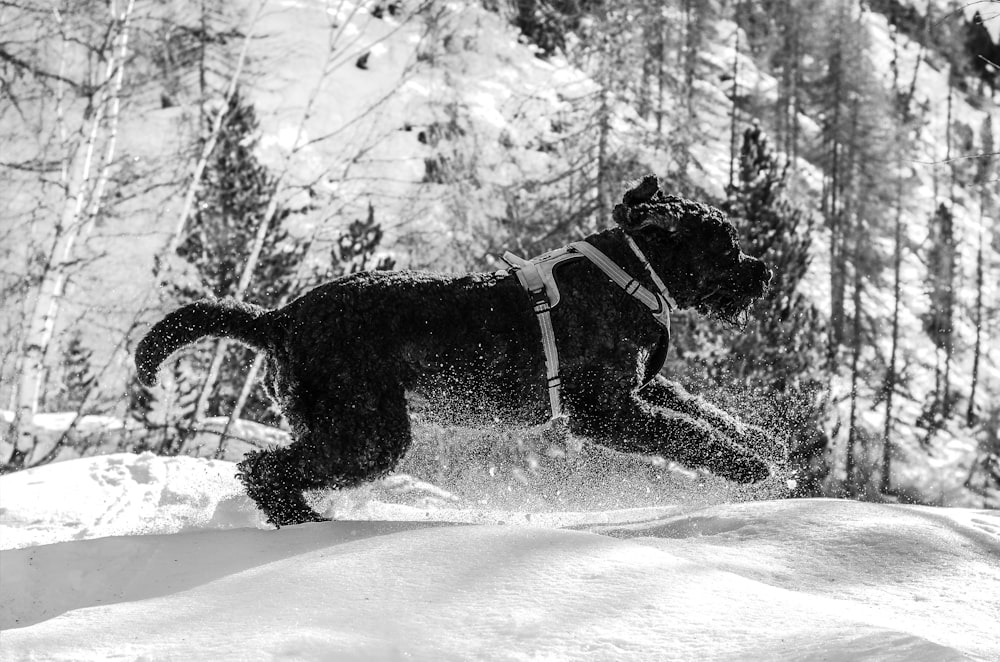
column 153, row 153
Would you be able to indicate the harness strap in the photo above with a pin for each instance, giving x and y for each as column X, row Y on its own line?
column 537, row 272
column 536, row 277
column 653, row 276
column 659, row 303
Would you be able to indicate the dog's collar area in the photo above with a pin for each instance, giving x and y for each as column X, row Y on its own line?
column 536, row 277
column 660, row 303
column 661, row 287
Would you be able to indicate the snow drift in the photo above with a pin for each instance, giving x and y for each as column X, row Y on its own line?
column 775, row 580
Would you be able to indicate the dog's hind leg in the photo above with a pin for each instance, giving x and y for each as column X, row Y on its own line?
column 341, row 442
column 628, row 423
column 275, row 479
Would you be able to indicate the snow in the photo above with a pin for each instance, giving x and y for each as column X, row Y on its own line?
column 514, row 126
column 138, row 556
column 130, row 556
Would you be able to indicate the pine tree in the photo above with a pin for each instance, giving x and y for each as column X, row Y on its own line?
column 356, row 247
column 780, row 342
column 77, row 375
column 984, row 474
column 141, row 402
column 776, row 357
column 166, row 411
column 231, row 204
column 939, row 321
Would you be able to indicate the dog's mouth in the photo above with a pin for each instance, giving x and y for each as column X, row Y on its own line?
column 724, row 306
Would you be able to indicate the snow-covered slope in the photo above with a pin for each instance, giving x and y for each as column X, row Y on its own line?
column 771, row 580
column 354, row 107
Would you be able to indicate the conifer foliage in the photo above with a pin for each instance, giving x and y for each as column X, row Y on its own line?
column 233, row 199
column 779, row 350
column 939, row 321
column 232, row 202
column 77, row 375
column 778, row 347
column 355, row 249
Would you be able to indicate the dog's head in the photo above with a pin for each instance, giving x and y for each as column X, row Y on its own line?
column 694, row 249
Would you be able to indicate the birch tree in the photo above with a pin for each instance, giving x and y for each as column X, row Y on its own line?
column 88, row 152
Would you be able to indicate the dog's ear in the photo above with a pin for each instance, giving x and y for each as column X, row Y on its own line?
column 633, row 209
column 644, row 191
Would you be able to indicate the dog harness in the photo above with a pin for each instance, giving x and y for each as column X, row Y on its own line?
column 536, row 277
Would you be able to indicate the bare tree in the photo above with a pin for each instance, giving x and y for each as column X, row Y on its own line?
column 984, row 178
column 903, row 101
column 83, row 176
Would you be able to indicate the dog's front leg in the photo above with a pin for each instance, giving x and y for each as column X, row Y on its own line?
column 621, row 420
column 671, row 395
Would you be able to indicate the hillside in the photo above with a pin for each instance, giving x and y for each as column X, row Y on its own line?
column 465, row 137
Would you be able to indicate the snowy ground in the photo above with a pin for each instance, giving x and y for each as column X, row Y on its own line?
column 141, row 557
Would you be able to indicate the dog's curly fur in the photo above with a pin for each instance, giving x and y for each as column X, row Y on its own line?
column 341, row 357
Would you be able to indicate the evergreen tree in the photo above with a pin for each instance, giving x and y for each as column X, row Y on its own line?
column 546, row 23
column 984, row 474
column 771, row 369
column 77, row 376
column 779, row 352
column 851, row 104
column 142, row 402
column 939, row 321
column 168, row 409
column 356, row 247
column 232, row 202
column 779, row 345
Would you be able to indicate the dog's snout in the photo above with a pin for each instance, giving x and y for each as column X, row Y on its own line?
column 755, row 267
column 757, row 275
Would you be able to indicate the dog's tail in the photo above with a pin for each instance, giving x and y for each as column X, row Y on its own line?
column 209, row 317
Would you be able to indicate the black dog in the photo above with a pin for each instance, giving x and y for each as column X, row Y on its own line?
column 341, row 357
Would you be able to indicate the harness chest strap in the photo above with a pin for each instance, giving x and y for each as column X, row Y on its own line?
column 536, row 277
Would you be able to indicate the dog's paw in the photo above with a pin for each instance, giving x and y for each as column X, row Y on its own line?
column 739, row 464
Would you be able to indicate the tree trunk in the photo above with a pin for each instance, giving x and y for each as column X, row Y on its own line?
column 604, row 130
column 885, row 482
column 241, row 402
column 733, row 121
column 970, row 414
column 902, row 109
column 950, row 275
column 72, row 227
column 852, row 436
column 240, row 294
column 206, row 151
